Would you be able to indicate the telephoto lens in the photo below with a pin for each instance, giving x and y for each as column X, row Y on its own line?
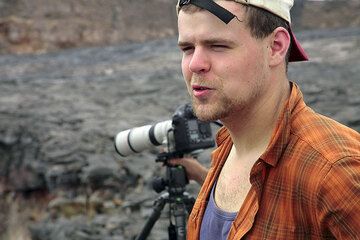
column 139, row 139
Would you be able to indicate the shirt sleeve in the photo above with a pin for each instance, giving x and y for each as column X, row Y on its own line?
column 339, row 200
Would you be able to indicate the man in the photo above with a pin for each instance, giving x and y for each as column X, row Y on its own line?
column 280, row 171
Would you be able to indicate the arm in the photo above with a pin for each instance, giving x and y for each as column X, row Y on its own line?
column 194, row 170
column 339, row 197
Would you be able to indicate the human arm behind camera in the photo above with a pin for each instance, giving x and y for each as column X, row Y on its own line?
column 194, row 170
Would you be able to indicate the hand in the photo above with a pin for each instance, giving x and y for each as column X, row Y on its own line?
column 194, row 170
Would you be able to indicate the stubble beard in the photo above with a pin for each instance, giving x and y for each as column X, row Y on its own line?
column 214, row 108
column 205, row 110
column 224, row 107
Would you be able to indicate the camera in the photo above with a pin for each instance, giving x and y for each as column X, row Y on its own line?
column 183, row 134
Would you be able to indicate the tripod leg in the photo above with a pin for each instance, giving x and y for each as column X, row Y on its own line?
column 158, row 207
column 179, row 213
column 189, row 202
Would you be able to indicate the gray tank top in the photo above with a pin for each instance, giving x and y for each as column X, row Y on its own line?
column 216, row 223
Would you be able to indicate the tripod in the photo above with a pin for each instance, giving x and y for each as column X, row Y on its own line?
column 180, row 202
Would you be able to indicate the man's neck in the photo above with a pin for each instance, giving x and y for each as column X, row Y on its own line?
column 252, row 129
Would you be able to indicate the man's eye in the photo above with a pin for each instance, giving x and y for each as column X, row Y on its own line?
column 187, row 49
column 219, row 47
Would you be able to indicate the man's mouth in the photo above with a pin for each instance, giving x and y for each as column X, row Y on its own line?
column 200, row 88
column 200, row 91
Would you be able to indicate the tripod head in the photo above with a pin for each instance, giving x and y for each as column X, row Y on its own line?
column 176, row 178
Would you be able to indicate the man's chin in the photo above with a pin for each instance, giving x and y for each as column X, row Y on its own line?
column 205, row 115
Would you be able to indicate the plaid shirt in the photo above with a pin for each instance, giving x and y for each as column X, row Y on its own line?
column 306, row 185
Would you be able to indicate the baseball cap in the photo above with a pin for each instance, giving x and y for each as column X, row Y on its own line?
column 280, row 8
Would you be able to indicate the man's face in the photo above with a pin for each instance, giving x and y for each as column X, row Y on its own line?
column 224, row 67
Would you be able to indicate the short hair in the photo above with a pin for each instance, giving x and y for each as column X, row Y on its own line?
column 262, row 23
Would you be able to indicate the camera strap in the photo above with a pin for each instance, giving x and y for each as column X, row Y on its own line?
column 212, row 7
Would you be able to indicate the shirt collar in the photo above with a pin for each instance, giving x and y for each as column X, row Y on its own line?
column 281, row 134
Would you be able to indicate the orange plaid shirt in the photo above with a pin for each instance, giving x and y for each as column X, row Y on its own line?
column 306, row 185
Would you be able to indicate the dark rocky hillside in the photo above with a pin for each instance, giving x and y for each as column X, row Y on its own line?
column 28, row 26
column 48, row 25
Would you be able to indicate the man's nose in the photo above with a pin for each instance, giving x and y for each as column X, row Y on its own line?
column 200, row 62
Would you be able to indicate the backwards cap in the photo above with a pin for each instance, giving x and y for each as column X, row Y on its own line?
column 280, row 8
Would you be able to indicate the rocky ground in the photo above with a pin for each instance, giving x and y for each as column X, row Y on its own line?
column 60, row 177
column 59, row 113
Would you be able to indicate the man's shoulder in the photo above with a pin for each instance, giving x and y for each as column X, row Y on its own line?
column 333, row 140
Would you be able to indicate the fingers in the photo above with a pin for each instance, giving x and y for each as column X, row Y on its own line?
column 185, row 162
column 194, row 169
column 175, row 161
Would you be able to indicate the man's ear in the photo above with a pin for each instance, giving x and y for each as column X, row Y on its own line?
column 279, row 45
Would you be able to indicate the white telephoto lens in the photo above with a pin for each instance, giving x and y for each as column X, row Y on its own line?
column 133, row 140
column 138, row 139
column 161, row 130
